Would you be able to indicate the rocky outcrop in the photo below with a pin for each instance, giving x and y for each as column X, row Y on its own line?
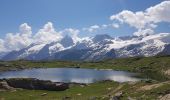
column 35, row 84
column 4, row 86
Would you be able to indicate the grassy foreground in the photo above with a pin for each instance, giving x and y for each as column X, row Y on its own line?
column 75, row 92
column 95, row 91
column 156, row 68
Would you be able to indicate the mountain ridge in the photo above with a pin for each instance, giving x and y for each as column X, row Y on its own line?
column 96, row 48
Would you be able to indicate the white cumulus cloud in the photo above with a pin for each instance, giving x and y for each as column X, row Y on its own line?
column 160, row 12
column 144, row 32
column 22, row 39
column 2, row 48
column 73, row 33
column 115, row 25
column 47, row 34
column 142, row 20
column 95, row 28
column 19, row 40
column 92, row 28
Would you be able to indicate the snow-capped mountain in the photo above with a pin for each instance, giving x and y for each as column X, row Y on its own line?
column 95, row 48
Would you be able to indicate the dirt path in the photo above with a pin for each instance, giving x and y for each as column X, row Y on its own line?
column 153, row 86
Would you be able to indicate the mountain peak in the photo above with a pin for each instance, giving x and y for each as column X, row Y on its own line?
column 96, row 48
column 67, row 41
column 101, row 37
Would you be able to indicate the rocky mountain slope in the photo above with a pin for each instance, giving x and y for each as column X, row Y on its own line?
column 95, row 48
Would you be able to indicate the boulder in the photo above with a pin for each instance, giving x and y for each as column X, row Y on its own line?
column 117, row 96
column 4, row 85
column 35, row 84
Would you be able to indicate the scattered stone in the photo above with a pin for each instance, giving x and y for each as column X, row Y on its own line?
column 79, row 94
column 167, row 72
column 132, row 83
column 109, row 88
column 82, row 86
column 44, row 94
column 129, row 98
column 117, row 96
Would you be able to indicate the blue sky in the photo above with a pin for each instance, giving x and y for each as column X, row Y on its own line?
column 70, row 14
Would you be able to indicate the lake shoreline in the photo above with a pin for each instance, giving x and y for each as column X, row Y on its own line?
column 153, row 67
column 72, row 75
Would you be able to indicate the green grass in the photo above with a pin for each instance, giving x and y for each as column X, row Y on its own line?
column 92, row 90
column 153, row 94
column 99, row 90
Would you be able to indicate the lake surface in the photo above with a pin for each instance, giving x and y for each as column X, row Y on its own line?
column 76, row 75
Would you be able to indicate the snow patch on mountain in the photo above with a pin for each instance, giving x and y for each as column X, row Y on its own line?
column 95, row 48
column 56, row 48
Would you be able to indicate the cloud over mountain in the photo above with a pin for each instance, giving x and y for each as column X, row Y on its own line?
column 144, row 21
column 25, row 37
column 16, row 41
column 92, row 28
column 47, row 34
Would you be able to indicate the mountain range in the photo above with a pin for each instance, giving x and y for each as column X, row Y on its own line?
column 95, row 48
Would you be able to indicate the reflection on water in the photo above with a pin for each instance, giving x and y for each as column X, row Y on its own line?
column 71, row 75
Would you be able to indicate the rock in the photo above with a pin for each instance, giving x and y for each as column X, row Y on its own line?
column 2, row 98
column 43, row 94
column 95, row 98
column 117, row 96
column 167, row 72
column 82, row 86
column 4, row 86
column 148, row 81
column 6, row 65
column 109, row 88
column 79, row 94
column 35, row 84
column 129, row 98
column 132, row 83
column 77, row 67
column 66, row 98
column 165, row 97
